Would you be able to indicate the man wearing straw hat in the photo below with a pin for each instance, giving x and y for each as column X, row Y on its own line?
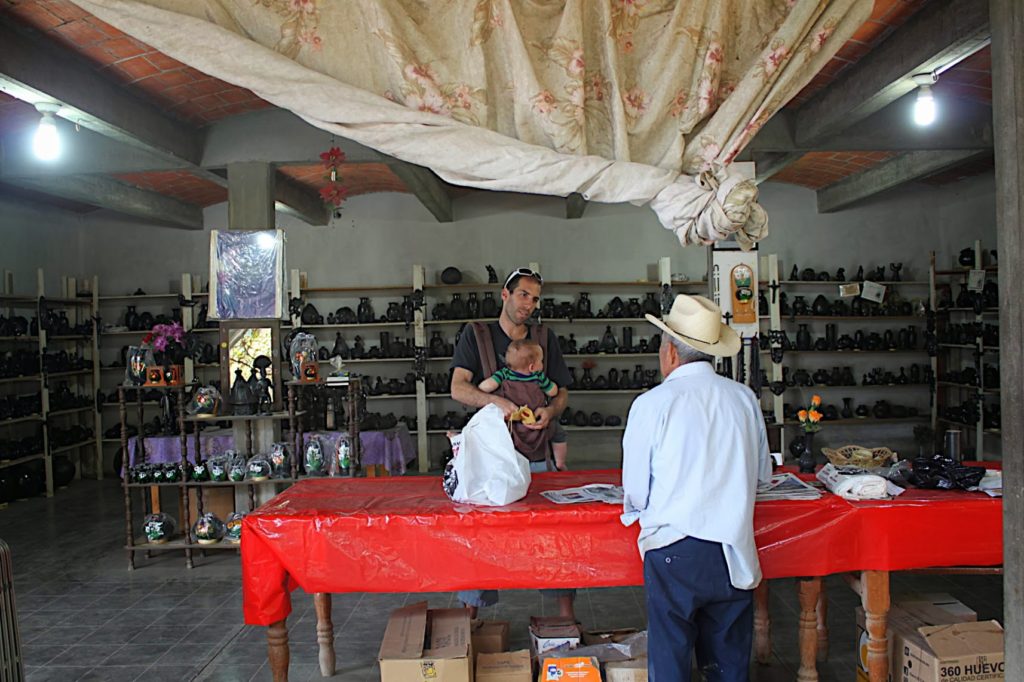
column 694, row 450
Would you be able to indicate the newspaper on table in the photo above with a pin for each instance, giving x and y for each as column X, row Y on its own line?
column 593, row 492
column 786, row 486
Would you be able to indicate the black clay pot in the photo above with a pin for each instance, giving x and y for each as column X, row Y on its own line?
column 131, row 319
column 881, row 410
column 596, row 419
column 580, row 418
column 612, row 420
column 633, row 308
column 566, row 417
column 821, row 306
column 799, row 305
column 808, row 275
column 583, row 305
column 340, row 347
column 862, row 412
column 650, row 305
column 966, row 258
column 451, row 275
column 840, row 275
column 393, row 312
column 608, row 342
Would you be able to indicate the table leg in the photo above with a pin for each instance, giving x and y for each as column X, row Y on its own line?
column 277, row 650
column 324, row 632
column 874, row 598
column 808, row 589
column 822, row 612
column 762, row 625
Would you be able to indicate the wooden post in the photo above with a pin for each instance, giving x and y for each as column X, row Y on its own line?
column 324, row 632
column 809, row 589
column 762, row 625
column 1006, row 17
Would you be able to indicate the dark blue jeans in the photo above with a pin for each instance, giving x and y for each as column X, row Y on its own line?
column 692, row 605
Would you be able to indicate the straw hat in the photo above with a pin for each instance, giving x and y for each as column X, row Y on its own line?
column 697, row 322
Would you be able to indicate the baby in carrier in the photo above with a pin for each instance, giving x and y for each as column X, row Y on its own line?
column 524, row 382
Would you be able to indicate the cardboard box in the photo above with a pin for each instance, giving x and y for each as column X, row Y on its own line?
column 490, row 636
column 633, row 670
column 578, row 669
column 605, row 636
column 406, row 655
column 956, row 652
column 513, row 666
column 905, row 617
column 552, row 632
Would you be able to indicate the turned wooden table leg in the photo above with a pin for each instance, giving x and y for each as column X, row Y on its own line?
column 808, row 589
column 277, row 650
column 762, row 625
column 822, row 625
column 874, row 596
column 324, row 632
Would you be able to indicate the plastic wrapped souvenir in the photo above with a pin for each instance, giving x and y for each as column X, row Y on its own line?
column 237, row 467
column 259, row 468
column 143, row 473
column 172, row 472
column 136, row 359
column 208, row 529
column 279, row 459
column 200, row 472
column 315, row 461
column 303, row 350
column 205, row 400
column 234, row 527
column 159, row 527
column 218, row 466
column 157, row 473
column 342, row 456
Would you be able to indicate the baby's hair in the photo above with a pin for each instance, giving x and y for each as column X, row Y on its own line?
column 523, row 352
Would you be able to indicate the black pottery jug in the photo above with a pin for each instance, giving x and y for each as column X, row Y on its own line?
column 638, row 377
column 634, row 309
column 580, row 418
column 803, row 338
column 241, row 395
column 627, row 340
column 131, row 319
column 394, row 312
column 408, row 309
column 583, row 305
column 473, row 306
column 650, row 305
column 587, row 382
column 861, row 412
column 436, row 344
column 489, row 307
column 799, row 305
column 364, row 312
column 547, row 307
column 457, row 308
column 821, row 306
column 966, row 258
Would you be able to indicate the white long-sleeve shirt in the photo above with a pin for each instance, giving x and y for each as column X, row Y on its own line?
column 694, row 450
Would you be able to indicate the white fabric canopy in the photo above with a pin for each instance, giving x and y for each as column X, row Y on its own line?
column 612, row 99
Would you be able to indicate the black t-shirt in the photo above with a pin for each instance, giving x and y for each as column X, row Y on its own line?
column 467, row 355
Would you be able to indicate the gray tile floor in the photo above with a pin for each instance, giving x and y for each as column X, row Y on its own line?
column 84, row 616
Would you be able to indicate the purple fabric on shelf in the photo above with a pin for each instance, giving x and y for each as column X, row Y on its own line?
column 168, row 448
column 393, row 448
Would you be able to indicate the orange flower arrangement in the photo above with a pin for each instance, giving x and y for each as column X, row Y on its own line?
column 811, row 417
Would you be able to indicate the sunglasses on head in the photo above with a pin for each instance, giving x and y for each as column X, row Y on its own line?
column 524, row 272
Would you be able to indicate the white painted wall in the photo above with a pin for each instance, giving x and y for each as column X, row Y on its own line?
column 381, row 236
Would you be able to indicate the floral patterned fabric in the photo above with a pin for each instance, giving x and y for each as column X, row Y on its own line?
column 609, row 98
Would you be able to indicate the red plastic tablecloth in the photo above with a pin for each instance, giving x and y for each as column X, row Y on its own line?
column 405, row 535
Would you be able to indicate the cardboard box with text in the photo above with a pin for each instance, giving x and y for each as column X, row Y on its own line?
column 490, row 636
column 552, row 632
column 579, row 669
column 512, row 666
column 422, row 645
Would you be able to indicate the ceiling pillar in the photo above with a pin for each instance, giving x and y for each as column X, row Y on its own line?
column 251, row 196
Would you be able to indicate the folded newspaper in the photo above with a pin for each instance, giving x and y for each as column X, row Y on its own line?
column 786, row 486
column 594, row 492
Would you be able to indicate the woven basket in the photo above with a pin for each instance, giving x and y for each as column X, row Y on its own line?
column 855, row 455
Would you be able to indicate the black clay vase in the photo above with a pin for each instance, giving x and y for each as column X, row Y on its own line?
column 847, row 411
column 633, row 308
column 650, row 305
column 131, row 319
column 489, row 307
column 457, row 308
column 473, row 306
column 803, row 338
column 241, row 395
column 340, row 347
column 807, row 455
column 583, row 305
column 608, row 342
column 364, row 313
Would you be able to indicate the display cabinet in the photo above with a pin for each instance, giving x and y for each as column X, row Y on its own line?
column 965, row 298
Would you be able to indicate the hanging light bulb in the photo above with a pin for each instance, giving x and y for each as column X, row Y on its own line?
column 46, row 142
column 925, row 111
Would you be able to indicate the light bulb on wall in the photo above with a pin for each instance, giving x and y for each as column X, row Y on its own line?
column 46, row 142
column 925, row 111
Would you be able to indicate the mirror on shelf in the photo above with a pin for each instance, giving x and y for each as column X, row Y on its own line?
column 249, row 351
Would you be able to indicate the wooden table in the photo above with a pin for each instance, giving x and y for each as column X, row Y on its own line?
column 404, row 535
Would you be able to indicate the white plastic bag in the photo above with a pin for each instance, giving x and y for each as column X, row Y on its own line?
column 485, row 468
